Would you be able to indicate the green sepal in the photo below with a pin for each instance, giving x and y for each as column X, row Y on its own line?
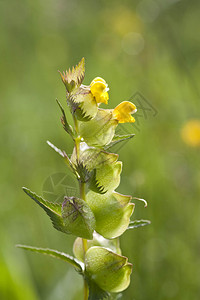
column 83, row 104
column 64, row 122
column 98, row 240
column 53, row 210
column 138, row 223
column 73, row 78
column 106, row 178
column 110, row 271
column 112, row 212
column 56, row 254
column 118, row 139
column 99, row 131
column 78, row 217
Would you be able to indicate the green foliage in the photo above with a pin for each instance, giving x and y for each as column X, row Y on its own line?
column 138, row 223
column 53, row 210
column 118, row 139
column 66, row 126
column 74, row 216
column 55, row 254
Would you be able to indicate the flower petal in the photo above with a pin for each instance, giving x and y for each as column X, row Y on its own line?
column 99, row 90
column 123, row 112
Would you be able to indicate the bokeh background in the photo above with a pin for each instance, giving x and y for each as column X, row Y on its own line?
column 145, row 48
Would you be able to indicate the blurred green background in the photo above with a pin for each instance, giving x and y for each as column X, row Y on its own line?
column 150, row 47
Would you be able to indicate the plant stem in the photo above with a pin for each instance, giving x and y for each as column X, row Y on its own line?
column 86, row 290
column 84, row 241
column 82, row 190
column 77, row 139
column 82, row 196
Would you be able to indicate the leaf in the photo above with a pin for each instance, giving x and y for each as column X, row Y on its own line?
column 112, row 212
column 110, row 271
column 63, row 154
column 73, row 78
column 117, row 139
column 74, row 216
column 64, row 122
column 56, row 254
column 53, row 210
column 95, row 292
column 78, row 217
column 138, row 223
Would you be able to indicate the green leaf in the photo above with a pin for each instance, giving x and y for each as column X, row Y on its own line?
column 63, row 154
column 112, row 212
column 117, row 139
column 78, row 217
column 99, row 131
column 138, row 223
column 64, row 122
column 74, row 216
column 110, row 271
column 73, row 78
column 53, row 210
column 56, row 254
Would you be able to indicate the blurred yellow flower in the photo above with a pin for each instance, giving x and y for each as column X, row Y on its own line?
column 99, row 90
column 123, row 111
column 191, row 133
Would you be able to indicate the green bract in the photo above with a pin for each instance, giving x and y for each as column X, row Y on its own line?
column 110, row 271
column 100, row 215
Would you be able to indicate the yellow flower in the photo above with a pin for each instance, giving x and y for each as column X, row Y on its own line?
column 191, row 133
column 99, row 90
column 123, row 112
